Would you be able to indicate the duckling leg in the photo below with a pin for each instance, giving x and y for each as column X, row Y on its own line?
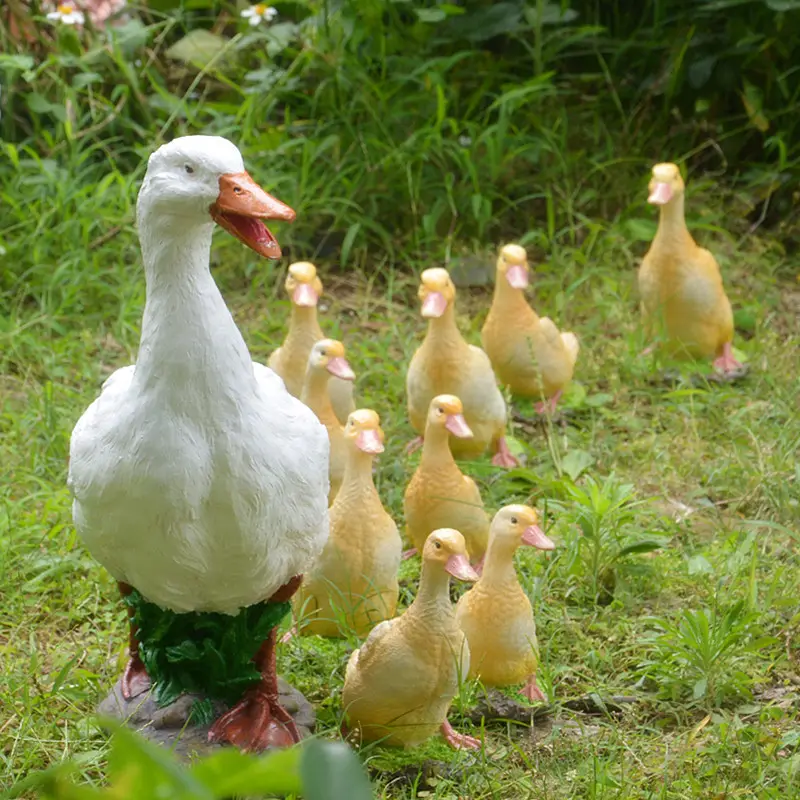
column 549, row 406
column 503, row 457
column 409, row 553
column 414, row 445
column 726, row 363
column 532, row 691
column 459, row 741
column 135, row 680
column 259, row 721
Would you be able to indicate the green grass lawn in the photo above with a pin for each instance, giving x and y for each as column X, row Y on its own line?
column 701, row 634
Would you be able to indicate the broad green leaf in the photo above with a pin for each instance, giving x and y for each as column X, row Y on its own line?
column 644, row 546
column 699, row 565
column 198, row 47
column 17, row 62
column 642, row 230
column 576, row 462
column 699, row 689
column 229, row 773
column 331, row 771
column 279, row 36
column 430, row 14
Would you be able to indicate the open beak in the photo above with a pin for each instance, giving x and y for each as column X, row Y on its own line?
column 661, row 194
column 369, row 441
column 459, row 567
column 434, row 305
column 304, row 295
column 457, row 425
column 339, row 368
column 240, row 208
column 534, row 536
column 517, row 276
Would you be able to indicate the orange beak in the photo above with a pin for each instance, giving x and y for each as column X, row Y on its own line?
column 240, row 208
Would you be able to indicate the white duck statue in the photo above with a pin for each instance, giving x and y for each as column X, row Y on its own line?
column 199, row 482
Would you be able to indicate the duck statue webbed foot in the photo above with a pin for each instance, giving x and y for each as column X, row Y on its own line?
column 258, row 721
column 503, row 457
column 726, row 363
column 459, row 741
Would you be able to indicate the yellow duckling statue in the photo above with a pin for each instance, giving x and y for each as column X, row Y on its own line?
column 400, row 684
column 439, row 495
column 496, row 615
column 327, row 358
column 353, row 584
column 291, row 358
column 446, row 364
column 528, row 353
column 680, row 283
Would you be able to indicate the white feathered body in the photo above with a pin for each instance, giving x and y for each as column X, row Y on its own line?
column 197, row 478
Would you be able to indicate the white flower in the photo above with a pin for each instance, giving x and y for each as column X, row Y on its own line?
column 260, row 12
column 67, row 14
column 465, row 141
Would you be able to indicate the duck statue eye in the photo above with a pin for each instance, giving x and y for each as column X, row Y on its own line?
column 189, row 169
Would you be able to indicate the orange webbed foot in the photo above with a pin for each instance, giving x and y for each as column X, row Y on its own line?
column 255, row 724
column 135, row 680
column 504, row 457
column 532, row 692
column 459, row 741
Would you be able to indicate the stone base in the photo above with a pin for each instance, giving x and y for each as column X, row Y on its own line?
column 168, row 726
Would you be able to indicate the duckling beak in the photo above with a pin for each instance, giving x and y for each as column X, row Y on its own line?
column 434, row 305
column 457, row 425
column 661, row 194
column 517, row 276
column 304, row 295
column 369, row 441
column 339, row 367
column 459, row 567
column 239, row 209
column 534, row 536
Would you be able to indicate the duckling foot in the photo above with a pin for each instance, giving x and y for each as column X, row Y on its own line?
column 414, row 445
column 726, row 363
column 255, row 724
column 289, row 635
column 135, row 680
column 459, row 741
column 532, row 691
column 409, row 553
column 549, row 406
column 504, row 457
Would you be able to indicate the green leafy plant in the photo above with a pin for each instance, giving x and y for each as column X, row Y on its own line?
column 317, row 770
column 604, row 513
column 699, row 656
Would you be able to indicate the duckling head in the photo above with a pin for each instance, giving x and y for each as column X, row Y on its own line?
column 328, row 354
column 302, row 284
column 447, row 411
column 364, row 430
column 436, row 292
column 512, row 264
column 446, row 548
column 665, row 184
column 517, row 526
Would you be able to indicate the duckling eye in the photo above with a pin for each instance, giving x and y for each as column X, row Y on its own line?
column 189, row 169
column 237, row 189
column 437, row 545
column 323, row 353
column 440, row 411
column 514, row 520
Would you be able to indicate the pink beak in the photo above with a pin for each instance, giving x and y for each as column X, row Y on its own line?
column 457, row 425
column 304, row 295
column 434, row 305
column 534, row 536
column 458, row 566
column 369, row 442
column 517, row 276
column 661, row 195
column 339, row 368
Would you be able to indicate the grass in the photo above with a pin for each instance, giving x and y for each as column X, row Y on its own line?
column 701, row 632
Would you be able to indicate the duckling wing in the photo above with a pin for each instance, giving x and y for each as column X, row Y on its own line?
column 370, row 651
column 479, row 390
